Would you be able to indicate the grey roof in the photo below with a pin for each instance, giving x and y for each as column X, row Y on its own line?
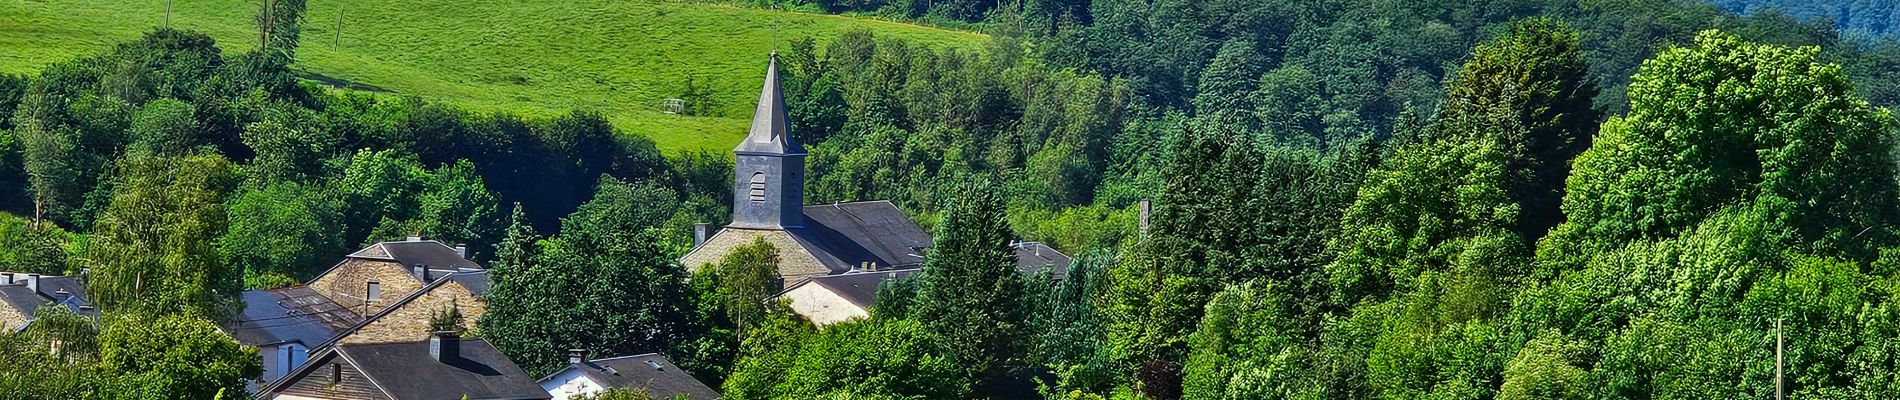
column 428, row 252
column 846, row 234
column 406, row 371
column 859, row 288
column 289, row 315
column 1033, row 257
column 653, row 372
column 54, row 288
column 21, row 298
column 769, row 133
column 475, row 281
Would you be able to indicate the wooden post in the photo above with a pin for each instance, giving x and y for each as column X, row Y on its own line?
column 336, row 38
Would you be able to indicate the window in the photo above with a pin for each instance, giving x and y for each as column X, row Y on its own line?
column 758, row 187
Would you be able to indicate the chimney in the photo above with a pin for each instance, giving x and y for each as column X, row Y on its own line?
column 85, row 275
column 461, row 251
column 33, row 282
column 699, row 234
column 576, row 356
column 1146, row 208
column 422, row 272
column 6, row 278
column 415, row 237
column 445, row 346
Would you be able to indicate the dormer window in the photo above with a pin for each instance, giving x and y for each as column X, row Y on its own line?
column 758, row 187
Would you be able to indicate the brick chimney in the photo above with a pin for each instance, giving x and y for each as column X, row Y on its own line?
column 445, row 346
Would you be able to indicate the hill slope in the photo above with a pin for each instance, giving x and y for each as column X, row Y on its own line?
column 620, row 58
column 1877, row 18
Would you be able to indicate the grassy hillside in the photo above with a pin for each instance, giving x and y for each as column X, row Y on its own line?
column 535, row 57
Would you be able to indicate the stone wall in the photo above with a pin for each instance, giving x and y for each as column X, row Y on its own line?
column 795, row 264
column 409, row 322
column 11, row 318
column 346, row 284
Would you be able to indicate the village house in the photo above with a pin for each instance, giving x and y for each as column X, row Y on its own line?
column 443, row 367
column 650, row 373
column 846, row 248
column 398, row 287
column 22, row 295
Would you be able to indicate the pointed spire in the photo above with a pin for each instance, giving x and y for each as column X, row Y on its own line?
column 769, row 134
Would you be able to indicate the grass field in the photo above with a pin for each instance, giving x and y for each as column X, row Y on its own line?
column 533, row 57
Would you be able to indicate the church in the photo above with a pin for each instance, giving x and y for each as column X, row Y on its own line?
column 864, row 242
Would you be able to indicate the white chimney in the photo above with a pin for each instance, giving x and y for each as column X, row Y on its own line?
column 461, row 251
column 6, row 278
column 415, row 238
column 576, row 356
column 699, row 234
column 33, row 282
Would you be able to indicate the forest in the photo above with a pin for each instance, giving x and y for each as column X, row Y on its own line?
column 1529, row 199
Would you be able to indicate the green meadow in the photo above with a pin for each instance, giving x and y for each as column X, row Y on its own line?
column 538, row 58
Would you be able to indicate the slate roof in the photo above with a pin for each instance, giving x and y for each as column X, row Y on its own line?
column 21, row 298
column 295, row 314
column 859, row 288
column 406, row 371
column 845, row 234
column 428, row 252
column 653, row 372
column 769, row 133
column 55, row 289
column 475, row 281
column 1033, row 257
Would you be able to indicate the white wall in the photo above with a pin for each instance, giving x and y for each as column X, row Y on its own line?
column 570, row 383
column 821, row 306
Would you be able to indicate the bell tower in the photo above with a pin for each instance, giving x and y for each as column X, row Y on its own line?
column 768, row 185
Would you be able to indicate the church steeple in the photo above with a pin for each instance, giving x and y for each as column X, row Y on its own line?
column 768, row 189
column 769, row 134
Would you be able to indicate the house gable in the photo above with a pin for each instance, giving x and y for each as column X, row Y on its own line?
column 330, row 376
column 407, row 320
column 347, row 284
column 796, row 262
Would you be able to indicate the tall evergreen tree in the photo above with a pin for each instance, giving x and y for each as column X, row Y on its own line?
column 971, row 292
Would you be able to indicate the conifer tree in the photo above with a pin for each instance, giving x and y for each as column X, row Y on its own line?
column 971, row 293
